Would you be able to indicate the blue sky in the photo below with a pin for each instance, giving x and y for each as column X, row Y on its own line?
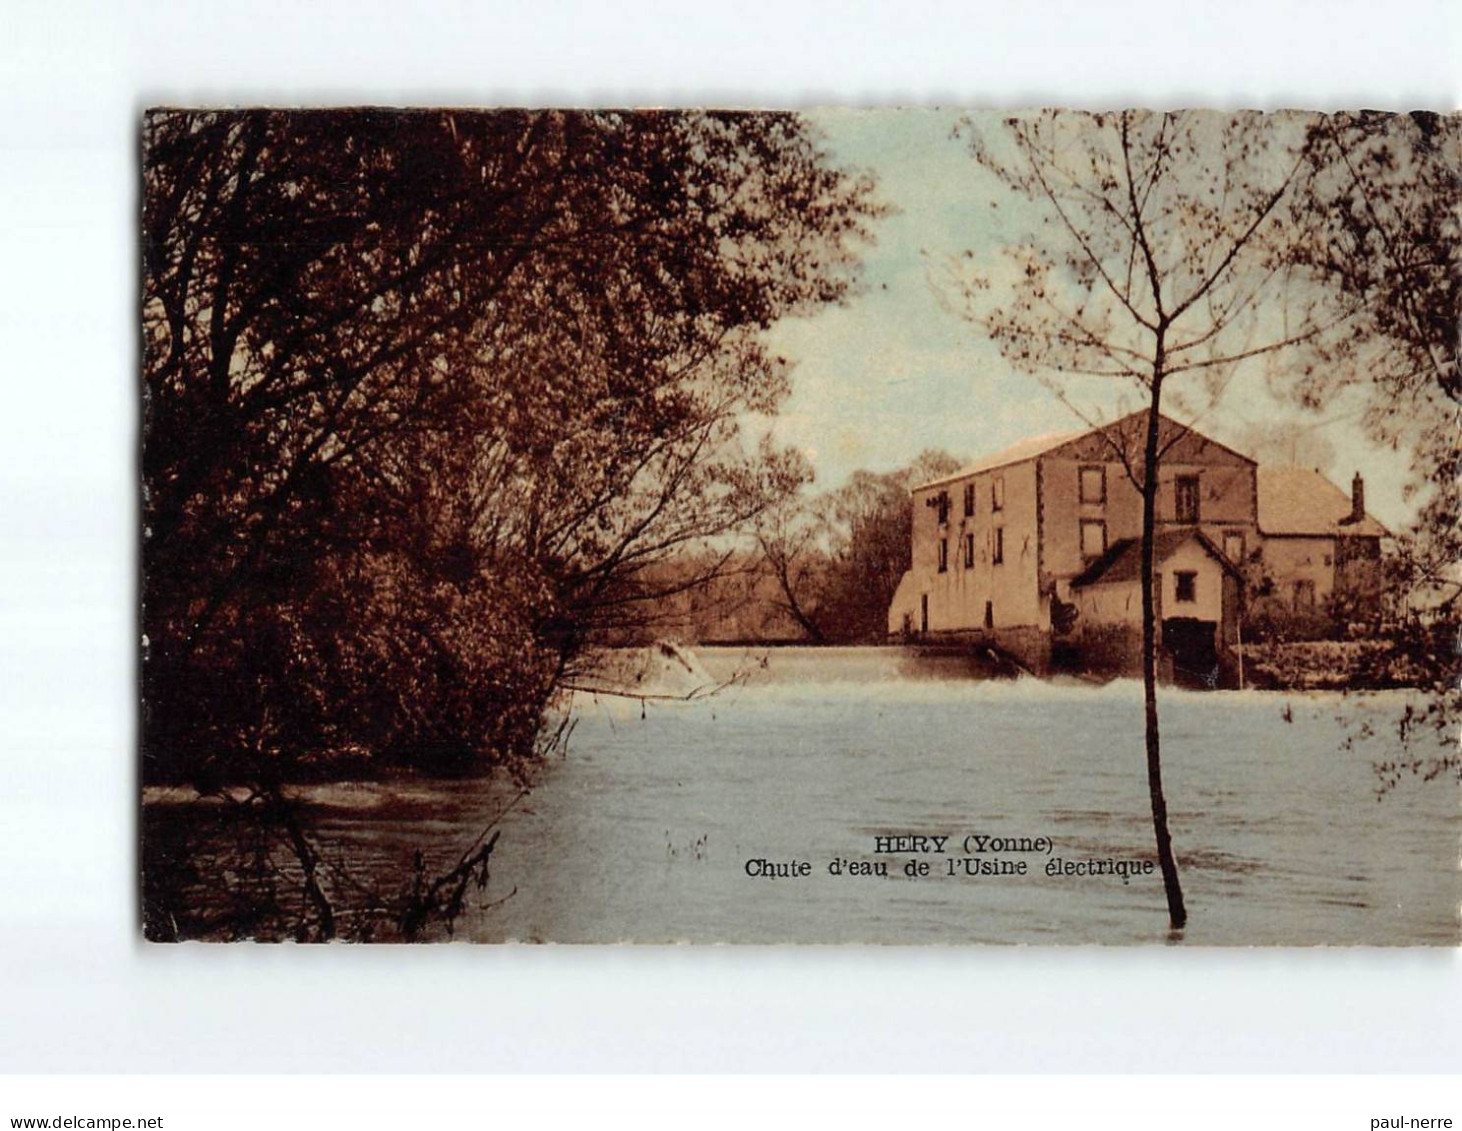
column 897, row 370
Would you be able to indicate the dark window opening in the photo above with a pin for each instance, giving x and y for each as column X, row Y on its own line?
column 943, row 555
column 1186, row 498
column 940, row 503
column 997, row 493
column 1186, row 582
column 989, row 614
column 1304, row 595
column 969, row 500
column 1093, row 484
column 969, row 551
column 998, row 554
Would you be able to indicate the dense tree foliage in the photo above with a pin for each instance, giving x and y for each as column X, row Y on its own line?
column 1385, row 197
column 427, row 396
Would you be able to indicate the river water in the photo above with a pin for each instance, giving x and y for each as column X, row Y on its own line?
column 644, row 829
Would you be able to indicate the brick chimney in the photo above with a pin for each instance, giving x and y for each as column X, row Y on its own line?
column 1357, row 500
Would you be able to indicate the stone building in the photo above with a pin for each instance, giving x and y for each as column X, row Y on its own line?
column 1036, row 549
column 1321, row 550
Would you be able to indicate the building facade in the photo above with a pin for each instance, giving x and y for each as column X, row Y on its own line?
column 1321, row 550
column 1036, row 548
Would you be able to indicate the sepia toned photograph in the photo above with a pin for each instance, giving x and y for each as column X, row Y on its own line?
column 894, row 526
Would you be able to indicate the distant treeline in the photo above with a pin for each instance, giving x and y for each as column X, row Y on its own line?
column 821, row 569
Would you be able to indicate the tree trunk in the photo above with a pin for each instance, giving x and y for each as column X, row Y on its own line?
column 782, row 567
column 1177, row 912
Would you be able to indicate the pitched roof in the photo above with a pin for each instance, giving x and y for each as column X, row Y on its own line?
column 1123, row 559
column 1298, row 500
column 1040, row 445
column 1016, row 453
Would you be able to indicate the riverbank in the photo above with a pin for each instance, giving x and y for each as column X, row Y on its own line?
column 1329, row 665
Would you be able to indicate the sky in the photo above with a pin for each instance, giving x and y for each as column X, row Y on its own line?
column 896, row 369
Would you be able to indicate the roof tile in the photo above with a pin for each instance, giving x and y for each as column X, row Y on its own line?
column 1123, row 559
column 1299, row 500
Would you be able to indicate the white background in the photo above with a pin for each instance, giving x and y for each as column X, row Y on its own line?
column 80, row 993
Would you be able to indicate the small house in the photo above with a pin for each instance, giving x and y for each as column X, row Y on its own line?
column 1321, row 550
column 1197, row 598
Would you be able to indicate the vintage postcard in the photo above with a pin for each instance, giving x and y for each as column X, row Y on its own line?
column 881, row 526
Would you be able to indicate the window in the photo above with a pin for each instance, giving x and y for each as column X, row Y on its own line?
column 1093, row 484
column 1186, row 498
column 989, row 614
column 969, row 500
column 997, row 493
column 1093, row 538
column 940, row 503
column 1186, row 582
column 969, row 551
column 997, row 554
column 1233, row 545
column 943, row 555
column 1304, row 596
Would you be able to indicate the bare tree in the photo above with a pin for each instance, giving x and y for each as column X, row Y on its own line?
column 1289, row 442
column 793, row 540
column 1156, row 259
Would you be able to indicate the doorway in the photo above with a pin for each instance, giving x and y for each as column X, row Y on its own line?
column 1192, row 646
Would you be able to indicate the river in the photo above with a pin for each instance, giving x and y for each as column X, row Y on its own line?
column 644, row 829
